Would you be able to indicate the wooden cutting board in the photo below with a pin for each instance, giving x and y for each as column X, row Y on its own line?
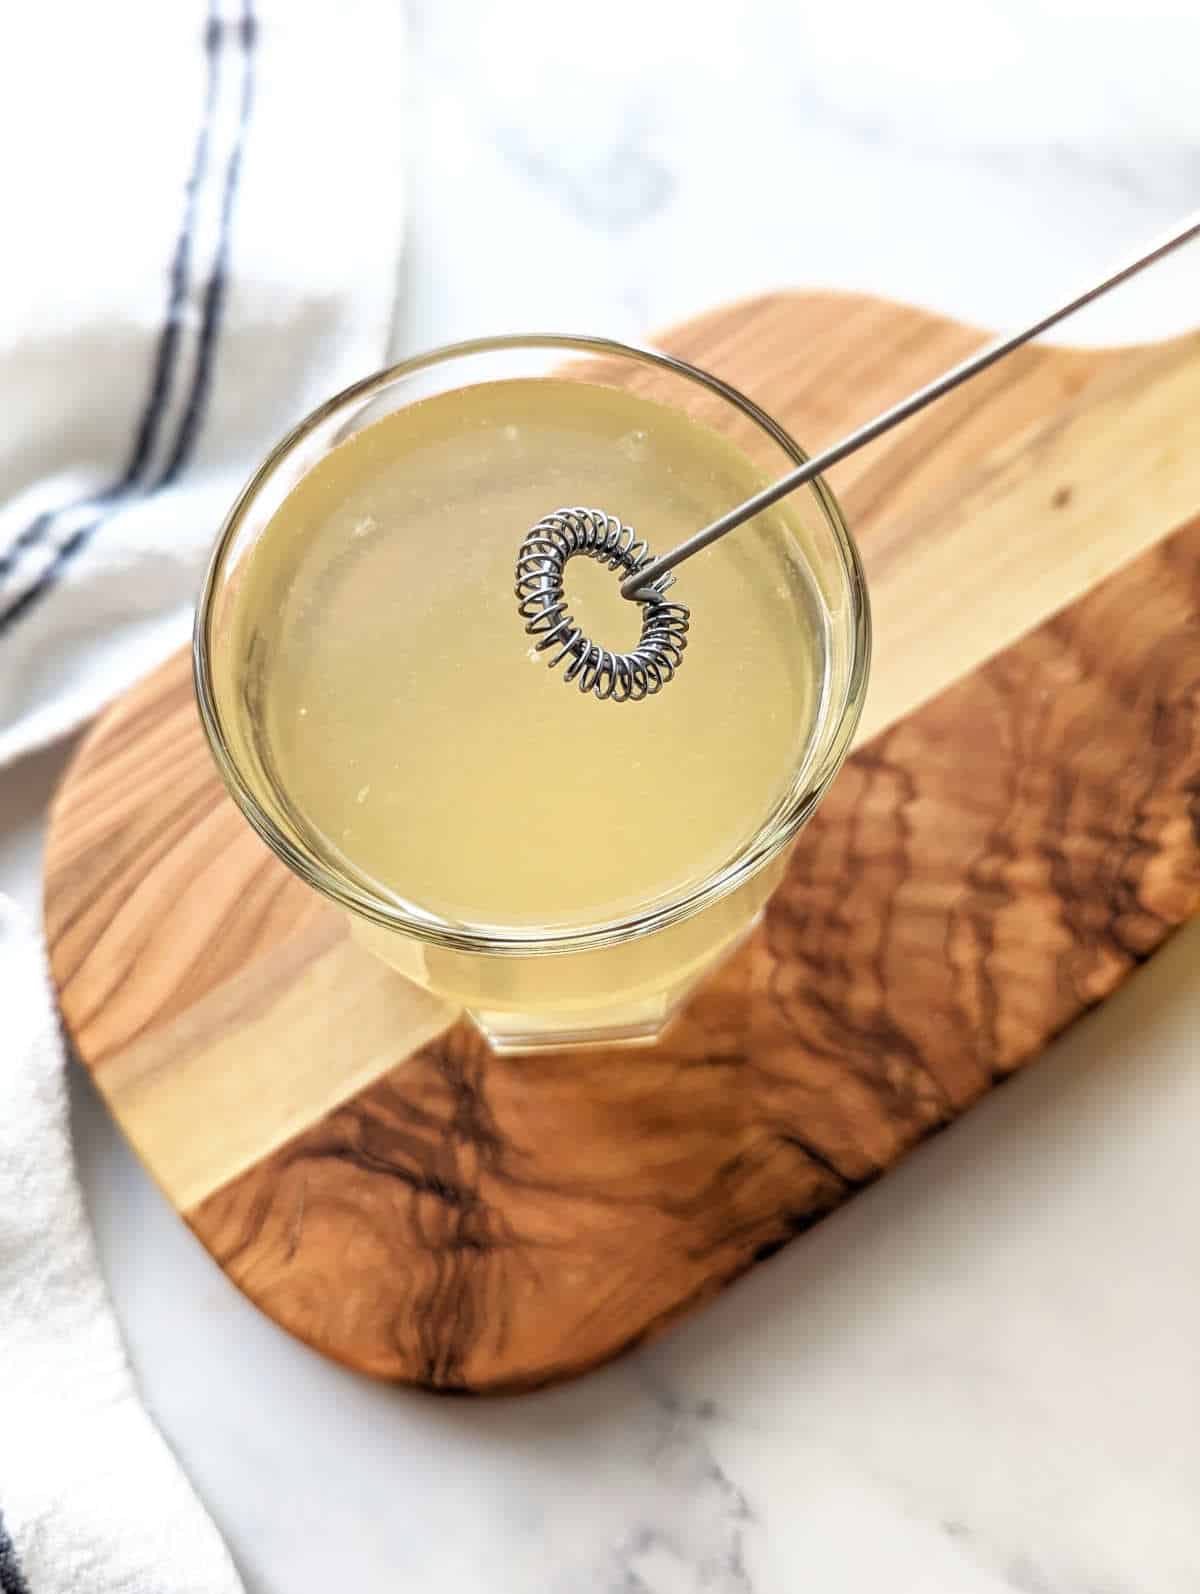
column 1017, row 831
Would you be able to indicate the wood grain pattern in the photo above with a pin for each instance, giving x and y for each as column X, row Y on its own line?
column 1018, row 832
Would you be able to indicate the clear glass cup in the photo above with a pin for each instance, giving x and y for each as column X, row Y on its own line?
column 604, row 982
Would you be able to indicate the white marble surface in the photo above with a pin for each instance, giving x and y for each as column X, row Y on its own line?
column 982, row 1376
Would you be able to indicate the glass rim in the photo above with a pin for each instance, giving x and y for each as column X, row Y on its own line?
column 773, row 836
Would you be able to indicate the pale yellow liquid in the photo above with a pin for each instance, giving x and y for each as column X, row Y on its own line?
column 395, row 710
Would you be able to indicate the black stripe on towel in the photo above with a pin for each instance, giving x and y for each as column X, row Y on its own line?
column 214, row 291
column 167, row 351
column 12, row 1580
column 131, row 486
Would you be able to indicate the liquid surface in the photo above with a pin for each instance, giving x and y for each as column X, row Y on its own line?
column 398, row 707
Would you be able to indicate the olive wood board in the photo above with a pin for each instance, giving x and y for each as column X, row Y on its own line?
column 1016, row 831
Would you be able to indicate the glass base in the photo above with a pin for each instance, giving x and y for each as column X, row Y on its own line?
column 552, row 1003
column 632, row 1024
column 509, row 1033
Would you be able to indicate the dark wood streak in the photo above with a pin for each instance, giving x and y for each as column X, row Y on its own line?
column 1043, row 809
column 985, row 871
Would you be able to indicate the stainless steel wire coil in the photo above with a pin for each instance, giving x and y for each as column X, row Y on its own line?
column 542, row 602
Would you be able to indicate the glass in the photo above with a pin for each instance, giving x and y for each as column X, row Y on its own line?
column 616, row 979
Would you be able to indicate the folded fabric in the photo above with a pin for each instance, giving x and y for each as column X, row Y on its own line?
column 91, row 1500
column 208, row 204
column 202, row 210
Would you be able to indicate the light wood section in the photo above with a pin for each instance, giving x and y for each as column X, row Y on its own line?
column 321, row 1019
column 1018, row 832
column 1043, row 522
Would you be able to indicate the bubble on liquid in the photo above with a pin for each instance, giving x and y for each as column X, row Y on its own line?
column 511, row 434
column 633, row 444
column 363, row 793
column 303, row 712
column 365, row 526
column 532, row 654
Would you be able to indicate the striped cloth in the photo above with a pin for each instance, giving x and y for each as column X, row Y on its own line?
column 202, row 207
column 207, row 198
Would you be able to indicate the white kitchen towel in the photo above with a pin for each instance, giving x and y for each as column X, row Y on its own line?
column 91, row 1500
column 202, row 206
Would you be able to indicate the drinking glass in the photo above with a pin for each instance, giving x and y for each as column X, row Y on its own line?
column 608, row 981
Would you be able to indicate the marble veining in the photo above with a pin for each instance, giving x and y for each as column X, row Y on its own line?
column 613, row 183
column 979, row 1377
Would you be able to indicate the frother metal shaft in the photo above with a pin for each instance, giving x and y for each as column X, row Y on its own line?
column 638, row 585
